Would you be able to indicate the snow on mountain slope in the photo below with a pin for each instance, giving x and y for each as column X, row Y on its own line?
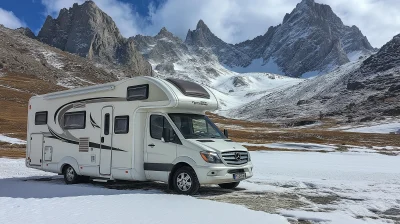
column 239, row 89
column 296, row 99
column 259, row 66
column 171, row 57
column 363, row 90
column 310, row 38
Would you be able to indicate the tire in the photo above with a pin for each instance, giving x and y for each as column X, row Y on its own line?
column 70, row 176
column 229, row 185
column 185, row 181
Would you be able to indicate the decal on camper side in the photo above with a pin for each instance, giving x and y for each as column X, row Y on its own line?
column 66, row 136
column 202, row 103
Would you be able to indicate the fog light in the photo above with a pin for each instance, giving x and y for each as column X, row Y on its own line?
column 212, row 173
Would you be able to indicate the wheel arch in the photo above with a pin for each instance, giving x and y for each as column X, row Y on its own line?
column 180, row 162
column 69, row 161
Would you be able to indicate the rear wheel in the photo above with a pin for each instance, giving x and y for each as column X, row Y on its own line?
column 70, row 176
column 229, row 185
column 185, row 181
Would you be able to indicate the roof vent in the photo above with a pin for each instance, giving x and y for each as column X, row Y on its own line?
column 190, row 88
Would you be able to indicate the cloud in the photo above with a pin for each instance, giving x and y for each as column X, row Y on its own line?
column 8, row 19
column 123, row 14
column 237, row 20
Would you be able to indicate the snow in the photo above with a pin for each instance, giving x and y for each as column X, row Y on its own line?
column 327, row 217
column 285, row 101
column 355, row 55
column 255, row 86
column 11, row 140
column 310, row 74
column 50, row 201
column 258, row 65
column 7, row 87
column 362, row 185
column 360, row 182
column 380, row 128
column 53, row 59
column 295, row 146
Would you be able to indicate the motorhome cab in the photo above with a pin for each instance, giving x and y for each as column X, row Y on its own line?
column 140, row 129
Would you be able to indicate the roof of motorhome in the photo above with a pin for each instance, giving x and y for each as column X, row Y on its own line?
column 187, row 88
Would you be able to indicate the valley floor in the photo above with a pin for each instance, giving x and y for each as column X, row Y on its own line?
column 288, row 187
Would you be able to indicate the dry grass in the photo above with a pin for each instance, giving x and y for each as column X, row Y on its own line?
column 258, row 132
column 12, row 153
column 263, row 148
column 15, row 91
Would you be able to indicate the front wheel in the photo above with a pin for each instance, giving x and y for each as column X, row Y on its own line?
column 229, row 185
column 70, row 176
column 185, row 181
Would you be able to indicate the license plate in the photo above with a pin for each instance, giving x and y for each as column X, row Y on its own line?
column 239, row 176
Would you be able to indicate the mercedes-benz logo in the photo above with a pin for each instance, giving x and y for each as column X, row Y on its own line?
column 237, row 156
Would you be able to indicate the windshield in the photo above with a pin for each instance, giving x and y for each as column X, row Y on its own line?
column 195, row 126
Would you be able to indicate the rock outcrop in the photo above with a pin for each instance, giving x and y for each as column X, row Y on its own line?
column 87, row 31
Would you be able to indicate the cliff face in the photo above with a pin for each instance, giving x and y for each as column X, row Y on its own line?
column 89, row 32
column 312, row 38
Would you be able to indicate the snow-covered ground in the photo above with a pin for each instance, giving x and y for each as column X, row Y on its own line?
column 11, row 140
column 342, row 188
column 23, row 200
column 359, row 184
column 378, row 128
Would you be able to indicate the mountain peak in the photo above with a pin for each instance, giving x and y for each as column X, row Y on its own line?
column 89, row 32
column 165, row 33
column 308, row 2
column 87, row 4
column 201, row 25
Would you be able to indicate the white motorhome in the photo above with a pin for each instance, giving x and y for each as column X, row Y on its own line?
column 143, row 128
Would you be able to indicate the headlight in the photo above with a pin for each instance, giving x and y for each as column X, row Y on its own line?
column 248, row 154
column 210, row 157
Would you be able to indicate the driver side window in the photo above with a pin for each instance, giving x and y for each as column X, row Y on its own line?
column 158, row 124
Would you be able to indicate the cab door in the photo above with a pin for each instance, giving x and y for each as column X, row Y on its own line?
column 160, row 153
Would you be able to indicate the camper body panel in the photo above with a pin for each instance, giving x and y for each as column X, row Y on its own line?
column 97, row 150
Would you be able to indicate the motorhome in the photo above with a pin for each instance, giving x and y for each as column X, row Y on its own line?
column 141, row 129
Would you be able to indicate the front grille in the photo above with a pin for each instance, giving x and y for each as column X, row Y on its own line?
column 231, row 157
column 236, row 171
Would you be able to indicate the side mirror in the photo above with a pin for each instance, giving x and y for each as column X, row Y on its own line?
column 226, row 133
column 166, row 135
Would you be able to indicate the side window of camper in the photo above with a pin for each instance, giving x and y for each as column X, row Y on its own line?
column 121, row 124
column 75, row 120
column 107, row 124
column 41, row 118
column 158, row 123
column 139, row 92
column 156, row 126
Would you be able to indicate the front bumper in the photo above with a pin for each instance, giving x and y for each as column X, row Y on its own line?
column 220, row 173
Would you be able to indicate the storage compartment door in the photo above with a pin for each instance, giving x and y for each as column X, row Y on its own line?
column 36, row 150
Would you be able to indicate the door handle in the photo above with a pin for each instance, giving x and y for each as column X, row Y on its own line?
column 152, row 145
column 102, row 139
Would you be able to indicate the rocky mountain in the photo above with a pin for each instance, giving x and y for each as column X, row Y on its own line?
column 87, row 31
column 312, row 39
column 364, row 90
column 170, row 56
column 202, row 37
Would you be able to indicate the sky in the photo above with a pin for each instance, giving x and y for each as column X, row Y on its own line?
column 231, row 20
